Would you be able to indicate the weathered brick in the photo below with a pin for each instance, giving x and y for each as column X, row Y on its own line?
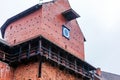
column 6, row 72
column 30, row 72
column 26, row 71
column 48, row 22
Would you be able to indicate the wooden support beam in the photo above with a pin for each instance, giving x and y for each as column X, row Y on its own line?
column 75, row 65
column 19, row 56
column 39, row 58
column 39, row 65
column 28, row 53
column 93, row 75
column 66, row 60
column 40, row 47
column 83, row 69
column 88, row 70
column 58, row 57
column 49, row 53
column 4, row 56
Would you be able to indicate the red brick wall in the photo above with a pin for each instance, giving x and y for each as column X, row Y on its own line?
column 53, row 73
column 24, row 28
column 26, row 72
column 48, row 22
column 6, row 72
column 30, row 72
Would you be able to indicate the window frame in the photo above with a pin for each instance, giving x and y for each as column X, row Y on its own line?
column 64, row 34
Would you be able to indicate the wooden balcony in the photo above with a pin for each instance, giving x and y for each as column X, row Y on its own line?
column 42, row 48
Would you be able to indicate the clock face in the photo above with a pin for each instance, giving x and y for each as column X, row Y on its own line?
column 66, row 32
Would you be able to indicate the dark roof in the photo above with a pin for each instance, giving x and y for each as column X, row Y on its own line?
column 19, row 16
column 110, row 76
column 70, row 14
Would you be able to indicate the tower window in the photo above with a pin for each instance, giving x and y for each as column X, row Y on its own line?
column 66, row 32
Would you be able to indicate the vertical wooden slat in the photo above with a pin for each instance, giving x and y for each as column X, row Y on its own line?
column 40, row 47
column 39, row 66
column 4, row 57
column 28, row 53
column 66, row 60
column 83, row 69
column 93, row 75
column 40, row 59
column 49, row 54
column 75, row 65
column 20, row 51
column 58, row 56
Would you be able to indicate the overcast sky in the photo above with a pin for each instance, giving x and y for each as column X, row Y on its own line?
column 100, row 24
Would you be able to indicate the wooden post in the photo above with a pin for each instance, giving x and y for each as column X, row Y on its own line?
column 58, row 57
column 20, row 51
column 40, row 59
column 4, row 57
column 39, row 65
column 67, row 60
column 40, row 47
column 83, row 70
column 88, row 70
column 75, row 65
column 93, row 75
column 49, row 53
column 28, row 53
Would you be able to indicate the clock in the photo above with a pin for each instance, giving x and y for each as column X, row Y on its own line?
column 66, row 32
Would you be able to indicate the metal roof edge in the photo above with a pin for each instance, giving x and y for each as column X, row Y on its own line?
column 4, row 43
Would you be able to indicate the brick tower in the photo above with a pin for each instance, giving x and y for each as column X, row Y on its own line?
column 44, row 42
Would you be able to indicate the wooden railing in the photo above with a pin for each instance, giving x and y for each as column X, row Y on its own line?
column 4, row 56
column 48, row 54
column 64, row 62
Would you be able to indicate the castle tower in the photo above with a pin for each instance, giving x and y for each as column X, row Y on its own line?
column 44, row 42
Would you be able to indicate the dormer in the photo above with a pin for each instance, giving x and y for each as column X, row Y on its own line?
column 70, row 14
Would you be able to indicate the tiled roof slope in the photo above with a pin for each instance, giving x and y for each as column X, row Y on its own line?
column 110, row 76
